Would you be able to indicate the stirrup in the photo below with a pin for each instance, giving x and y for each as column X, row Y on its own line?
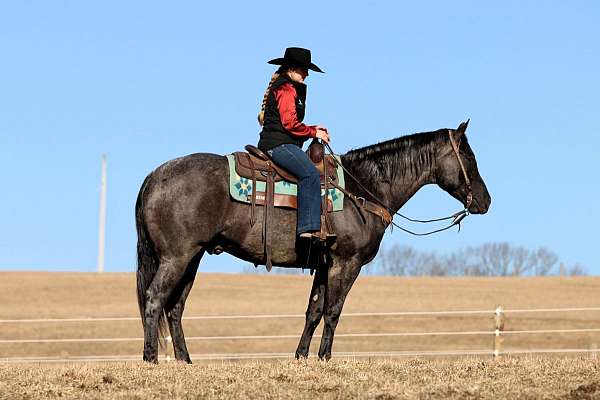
column 329, row 238
column 309, row 235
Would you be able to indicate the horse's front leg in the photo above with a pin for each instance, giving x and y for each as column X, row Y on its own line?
column 340, row 278
column 314, row 311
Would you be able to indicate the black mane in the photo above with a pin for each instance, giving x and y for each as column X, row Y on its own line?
column 415, row 152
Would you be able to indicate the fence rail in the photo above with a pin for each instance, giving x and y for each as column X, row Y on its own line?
column 273, row 356
column 276, row 316
column 275, row 337
column 498, row 333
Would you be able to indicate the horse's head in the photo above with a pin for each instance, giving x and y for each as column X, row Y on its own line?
column 450, row 176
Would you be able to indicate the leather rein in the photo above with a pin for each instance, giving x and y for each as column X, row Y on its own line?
column 387, row 214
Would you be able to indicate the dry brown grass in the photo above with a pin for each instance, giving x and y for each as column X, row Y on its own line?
column 470, row 378
column 63, row 295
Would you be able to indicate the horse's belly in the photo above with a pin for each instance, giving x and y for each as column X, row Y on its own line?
column 245, row 241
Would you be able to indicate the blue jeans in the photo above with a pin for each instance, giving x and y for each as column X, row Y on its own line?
column 296, row 162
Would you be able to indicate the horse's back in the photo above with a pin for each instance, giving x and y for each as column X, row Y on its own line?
column 197, row 169
column 185, row 198
column 195, row 164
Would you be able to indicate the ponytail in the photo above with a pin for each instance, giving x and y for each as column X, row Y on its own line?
column 277, row 74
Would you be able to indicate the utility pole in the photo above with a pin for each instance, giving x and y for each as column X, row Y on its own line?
column 102, row 219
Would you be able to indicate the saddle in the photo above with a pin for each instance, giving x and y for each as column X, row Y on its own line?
column 258, row 166
column 255, row 163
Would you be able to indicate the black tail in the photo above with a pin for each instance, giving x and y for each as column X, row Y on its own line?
column 147, row 259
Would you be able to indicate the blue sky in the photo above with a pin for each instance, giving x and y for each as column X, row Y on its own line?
column 145, row 82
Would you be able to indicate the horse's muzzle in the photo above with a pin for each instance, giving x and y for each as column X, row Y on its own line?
column 481, row 204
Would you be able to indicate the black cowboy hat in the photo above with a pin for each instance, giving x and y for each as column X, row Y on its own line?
column 296, row 57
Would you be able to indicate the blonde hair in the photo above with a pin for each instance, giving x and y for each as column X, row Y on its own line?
column 277, row 74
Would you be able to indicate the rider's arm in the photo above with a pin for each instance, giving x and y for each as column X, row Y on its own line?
column 286, row 102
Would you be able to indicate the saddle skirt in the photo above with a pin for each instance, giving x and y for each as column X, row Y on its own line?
column 243, row 165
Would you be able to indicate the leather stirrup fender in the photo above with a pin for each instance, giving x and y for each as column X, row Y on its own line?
column 253, row 199
column 269, row 208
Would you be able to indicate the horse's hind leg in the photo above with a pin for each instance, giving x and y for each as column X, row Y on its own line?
column 314, row 311
column 175, row 306
column 170, row 272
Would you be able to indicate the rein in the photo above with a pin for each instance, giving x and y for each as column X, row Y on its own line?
column 457, row 217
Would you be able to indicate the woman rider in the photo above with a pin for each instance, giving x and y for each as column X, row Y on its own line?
column 283, row 133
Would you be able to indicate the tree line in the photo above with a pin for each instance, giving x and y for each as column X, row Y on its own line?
column 489, row 259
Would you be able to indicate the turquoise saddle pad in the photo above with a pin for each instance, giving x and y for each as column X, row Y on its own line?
column 241, row 188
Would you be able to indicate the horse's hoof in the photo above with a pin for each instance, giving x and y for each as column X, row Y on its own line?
column 151, row 360
column 183, row 357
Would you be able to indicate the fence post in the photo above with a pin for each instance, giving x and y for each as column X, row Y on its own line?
column 498, row 328
column 168, row 348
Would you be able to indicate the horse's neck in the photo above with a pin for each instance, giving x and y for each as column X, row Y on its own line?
column 393, row 191
column 405, row 188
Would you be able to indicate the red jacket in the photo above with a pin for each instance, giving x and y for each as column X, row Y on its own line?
column 286, row 102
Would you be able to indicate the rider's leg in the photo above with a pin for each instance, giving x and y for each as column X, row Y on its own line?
column 295, row 161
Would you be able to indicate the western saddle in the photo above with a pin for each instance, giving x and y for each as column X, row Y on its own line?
column 258, row 166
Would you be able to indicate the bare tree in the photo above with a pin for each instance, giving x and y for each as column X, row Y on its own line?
column 545, row 261
column 576, row 270
column 397, row 261
column 503, row 259
column 490, row 259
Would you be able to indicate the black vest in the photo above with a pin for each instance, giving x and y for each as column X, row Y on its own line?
column 273, row 133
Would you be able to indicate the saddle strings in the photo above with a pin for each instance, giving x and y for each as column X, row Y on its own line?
column 457, row 217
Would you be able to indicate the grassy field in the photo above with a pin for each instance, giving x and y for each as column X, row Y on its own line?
column 73, row 295
column 467, row 378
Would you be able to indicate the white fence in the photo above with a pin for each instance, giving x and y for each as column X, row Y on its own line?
column 498, row 333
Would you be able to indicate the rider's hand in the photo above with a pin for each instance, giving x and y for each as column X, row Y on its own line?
column 322, row 134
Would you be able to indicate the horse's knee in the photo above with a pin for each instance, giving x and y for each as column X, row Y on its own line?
column 332, row 318
column 315, row 309
column 313, row 317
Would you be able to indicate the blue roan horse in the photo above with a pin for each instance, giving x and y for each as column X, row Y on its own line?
column 184, row 209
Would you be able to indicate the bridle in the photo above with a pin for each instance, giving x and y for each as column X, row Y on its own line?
column 456, row 148
column 456, row 218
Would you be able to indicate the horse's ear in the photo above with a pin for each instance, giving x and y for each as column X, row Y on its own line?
column 463, row 126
